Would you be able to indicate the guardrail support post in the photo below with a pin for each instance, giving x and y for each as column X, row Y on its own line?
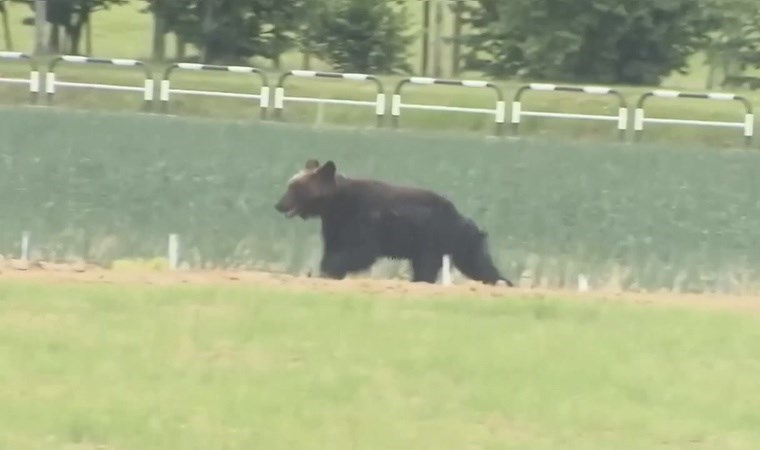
column 621, row 118
column 498, row 111
column 746, row 125
column 280, row 98
column 166, row 90
column 34, row 74
column 147, row 88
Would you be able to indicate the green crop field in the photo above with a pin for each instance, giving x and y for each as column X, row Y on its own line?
column 109, row 186
column 258, row 365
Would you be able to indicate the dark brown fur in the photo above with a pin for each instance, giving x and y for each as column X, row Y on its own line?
column 363, row 220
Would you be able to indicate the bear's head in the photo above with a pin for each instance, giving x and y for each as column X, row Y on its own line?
column 309, row 191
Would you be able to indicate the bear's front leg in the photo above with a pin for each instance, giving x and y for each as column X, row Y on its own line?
column 337, row 265
column 426, row 267
column 331, row 266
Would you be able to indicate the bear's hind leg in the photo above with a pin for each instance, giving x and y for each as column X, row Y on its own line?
column 471, row 257
column 477, row 265
column 425, row 268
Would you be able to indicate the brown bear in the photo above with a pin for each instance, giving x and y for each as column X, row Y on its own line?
column 364, row 219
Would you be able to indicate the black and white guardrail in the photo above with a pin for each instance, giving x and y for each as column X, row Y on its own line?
column 498, row 111
column 378, row 104
column 166, row 90
column 34, row 74
column 51, row 82
column 621, row 117
column 747, row 125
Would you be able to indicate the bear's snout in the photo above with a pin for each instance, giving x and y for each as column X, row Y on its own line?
column 283, row 208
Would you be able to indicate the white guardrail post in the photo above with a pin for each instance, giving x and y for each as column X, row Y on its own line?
column 34, row 74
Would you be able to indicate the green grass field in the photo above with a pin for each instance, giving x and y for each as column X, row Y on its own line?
column 96, row 366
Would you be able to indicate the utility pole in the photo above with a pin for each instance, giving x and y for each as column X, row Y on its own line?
column 40, row 27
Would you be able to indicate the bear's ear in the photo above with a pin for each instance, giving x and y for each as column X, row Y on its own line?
column 311, row 164
column 327, row 170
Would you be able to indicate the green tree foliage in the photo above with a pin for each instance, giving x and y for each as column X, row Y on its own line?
column 71, row 16
column 736, row 44
column 628, row 41
column 363, row 35
column 229, row 31
column 307, row 31
column 166, row 16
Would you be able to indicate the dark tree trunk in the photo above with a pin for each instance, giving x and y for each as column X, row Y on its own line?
column 276, row 62
column 456, row 44
column 208, row 29
column 425, row 37
column 74, row 33
column 437, row 47
column 181, row 47
column 54, row 40
column 159, row 36
column 6, row 28
column 88, row 36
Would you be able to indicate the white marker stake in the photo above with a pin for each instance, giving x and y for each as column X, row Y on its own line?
column 582, row 283
column 446, row 274
column 173, row 251
column 319, row 119
column 25, row 246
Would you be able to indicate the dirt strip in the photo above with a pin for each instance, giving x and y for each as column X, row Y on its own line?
column 400, row 289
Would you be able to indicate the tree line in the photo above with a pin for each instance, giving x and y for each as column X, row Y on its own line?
column 603, row 41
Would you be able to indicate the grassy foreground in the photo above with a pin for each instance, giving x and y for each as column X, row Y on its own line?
column 130, row 367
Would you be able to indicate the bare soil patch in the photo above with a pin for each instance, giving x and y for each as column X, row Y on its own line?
column 399, row 289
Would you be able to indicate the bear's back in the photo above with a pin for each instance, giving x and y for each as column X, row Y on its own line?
column 405, row 220
column 377, row 194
